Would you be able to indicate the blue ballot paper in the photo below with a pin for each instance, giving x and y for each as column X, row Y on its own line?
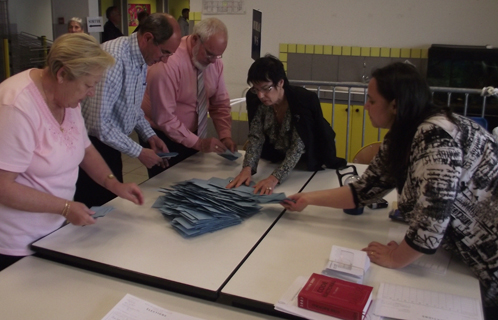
column 167, row 154
column 101, row 211
column 232, row 156
column 195, row 207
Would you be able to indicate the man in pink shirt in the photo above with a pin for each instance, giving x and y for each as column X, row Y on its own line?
column 171, row 104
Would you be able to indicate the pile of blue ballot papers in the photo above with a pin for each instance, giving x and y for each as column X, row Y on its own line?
column 199, row 206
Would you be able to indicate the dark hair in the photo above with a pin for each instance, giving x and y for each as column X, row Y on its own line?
column 402, row 82
column 109, row 10
column 267, row 68
column 142, row 15
column 185, row 9
column 159, row 26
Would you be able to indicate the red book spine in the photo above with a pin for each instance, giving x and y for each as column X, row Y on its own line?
column 328, row 309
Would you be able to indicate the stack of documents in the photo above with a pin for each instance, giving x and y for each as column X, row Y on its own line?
column 199, row 206
column 347, row 264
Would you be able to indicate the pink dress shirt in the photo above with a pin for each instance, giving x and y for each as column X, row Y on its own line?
column 170, row 97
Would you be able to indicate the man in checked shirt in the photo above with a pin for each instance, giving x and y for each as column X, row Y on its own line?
column 114, row 111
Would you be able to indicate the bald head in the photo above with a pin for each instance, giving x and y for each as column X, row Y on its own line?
column 162, row 26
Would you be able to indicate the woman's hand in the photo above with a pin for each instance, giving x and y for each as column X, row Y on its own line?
column 244, row 177
column 296, row 202
column 266, row 186
column 129, row 191
column 381, row 254
column 392, row 255
column 79, row 214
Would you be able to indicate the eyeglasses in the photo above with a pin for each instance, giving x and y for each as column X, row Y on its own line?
column 263, row 90
column 210, row 55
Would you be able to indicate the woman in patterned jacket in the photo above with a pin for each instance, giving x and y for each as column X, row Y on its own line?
column 286, row 125
column 445, row 169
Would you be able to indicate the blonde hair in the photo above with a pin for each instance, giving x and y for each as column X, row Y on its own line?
column 78, row 54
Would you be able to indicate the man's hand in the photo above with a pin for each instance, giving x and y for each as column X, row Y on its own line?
column 149, row 158
column 210, row 145
column 230, row 144
column 157, row 144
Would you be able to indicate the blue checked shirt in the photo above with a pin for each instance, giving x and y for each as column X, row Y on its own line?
column 114, row 111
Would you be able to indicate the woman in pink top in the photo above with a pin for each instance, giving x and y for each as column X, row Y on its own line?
column 43, row 140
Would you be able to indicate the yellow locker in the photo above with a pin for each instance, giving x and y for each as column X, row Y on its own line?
column 354, row 136
column 357, row 138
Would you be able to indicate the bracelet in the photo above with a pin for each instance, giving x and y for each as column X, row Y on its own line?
column 65, row 211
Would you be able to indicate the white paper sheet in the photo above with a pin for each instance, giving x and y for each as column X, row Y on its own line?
column 133, row 308
column 400, row 302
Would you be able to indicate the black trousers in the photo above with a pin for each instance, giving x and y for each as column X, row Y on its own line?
column 183, row 153
column 88, row 191
column 6, row 261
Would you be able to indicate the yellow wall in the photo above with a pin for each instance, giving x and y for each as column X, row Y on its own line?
column 104, row 4
column 176, row 7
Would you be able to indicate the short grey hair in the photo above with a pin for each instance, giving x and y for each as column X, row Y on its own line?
column 208, row 27
column 77, row 20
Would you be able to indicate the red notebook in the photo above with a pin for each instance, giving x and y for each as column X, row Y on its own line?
column 335, row 297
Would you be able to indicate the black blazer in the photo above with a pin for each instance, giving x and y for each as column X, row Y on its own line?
column 313, row 129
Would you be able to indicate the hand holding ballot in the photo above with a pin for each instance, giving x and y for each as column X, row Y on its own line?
column 232, row 156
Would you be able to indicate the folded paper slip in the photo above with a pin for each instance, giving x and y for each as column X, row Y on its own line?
column 347, row 264
column 335, row 297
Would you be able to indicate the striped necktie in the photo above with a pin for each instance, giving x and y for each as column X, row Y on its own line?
column 201, row 106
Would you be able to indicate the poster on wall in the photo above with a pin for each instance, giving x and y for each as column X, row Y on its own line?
column 223, row 7
column 256, row 34
column 133, row 11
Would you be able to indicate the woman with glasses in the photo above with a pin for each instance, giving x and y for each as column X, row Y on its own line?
column 285, row 124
